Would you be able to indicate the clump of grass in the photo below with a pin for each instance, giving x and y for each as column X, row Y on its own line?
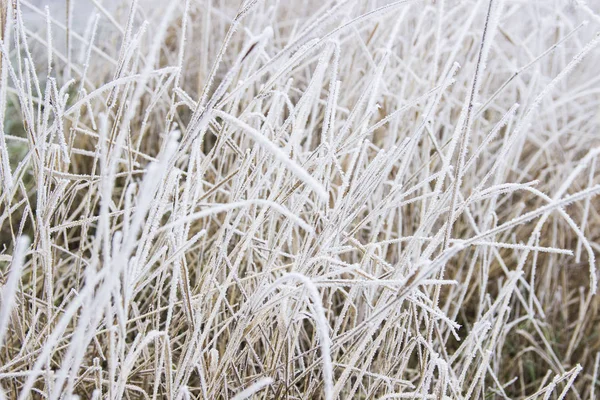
column 341, row 199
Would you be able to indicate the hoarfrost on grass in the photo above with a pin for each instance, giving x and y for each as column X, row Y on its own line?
column 340, row 199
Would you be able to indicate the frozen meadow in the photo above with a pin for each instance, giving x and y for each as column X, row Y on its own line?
column 299, row 199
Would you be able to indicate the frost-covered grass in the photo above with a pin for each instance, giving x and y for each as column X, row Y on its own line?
column 300, row 199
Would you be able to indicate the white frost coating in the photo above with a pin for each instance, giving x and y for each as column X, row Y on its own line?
column 279, row 154
column 253, row 199
column 320, row 322
column 10, row 288
column 254, row 388
column 232, row 206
